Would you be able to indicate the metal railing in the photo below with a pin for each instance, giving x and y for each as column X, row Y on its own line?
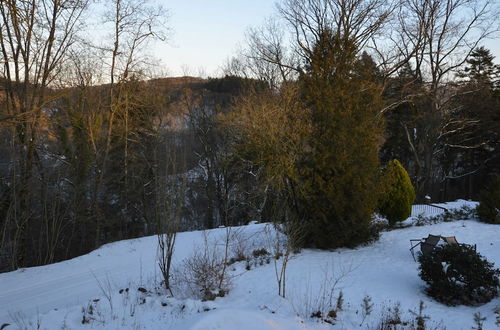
column 427, row 210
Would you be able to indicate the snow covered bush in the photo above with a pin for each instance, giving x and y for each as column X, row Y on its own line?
column 465, row 212
column 239, row 246
column 397, row 194
column 489, row 206
column 457, row 274
column 259, row 257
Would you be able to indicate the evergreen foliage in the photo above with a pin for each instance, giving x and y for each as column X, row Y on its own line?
column 338, row 172
column 475, row 125
column 457, row 274
column 480, row 68
column 397, row 194
column 489, row 207
column 316, row 143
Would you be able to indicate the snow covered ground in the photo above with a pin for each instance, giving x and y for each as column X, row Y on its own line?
column 101, row 288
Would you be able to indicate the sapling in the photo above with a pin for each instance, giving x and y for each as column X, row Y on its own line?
column 478, row 321
column 340, row 301
column 420, row 318
column 169, row 202
column 281, row 239
column 367, row 308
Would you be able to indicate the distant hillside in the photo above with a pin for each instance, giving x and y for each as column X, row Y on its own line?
column 176, row 83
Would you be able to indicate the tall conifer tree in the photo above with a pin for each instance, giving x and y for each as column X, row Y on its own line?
column 338, row 172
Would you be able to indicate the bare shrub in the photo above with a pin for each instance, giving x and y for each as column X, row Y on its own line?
column 20, row 321
column 325, row 301
column 204, row 272
column 107, row 290
column 258, row 257
column 391, row 318
column 88, row 313
column 239, row 246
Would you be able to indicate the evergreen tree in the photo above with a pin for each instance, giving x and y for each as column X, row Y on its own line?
column 489, row 207
column 480, row 68
column 476, row 126
column 398, row 193
column 337, row 173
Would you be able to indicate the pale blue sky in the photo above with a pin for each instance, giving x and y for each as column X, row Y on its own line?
column 206, row 32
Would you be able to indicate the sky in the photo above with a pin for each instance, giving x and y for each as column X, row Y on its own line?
column 205, row 33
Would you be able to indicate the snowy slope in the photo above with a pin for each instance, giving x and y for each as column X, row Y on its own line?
column 383, row 271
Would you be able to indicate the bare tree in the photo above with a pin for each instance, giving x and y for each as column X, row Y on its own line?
column 212, row 149
column 170, row 195
column 444, row 33
column 135, row 23
column 278, row 51
column 62, row 127
column 356, row 21
column 35, row 39
column 268, row 54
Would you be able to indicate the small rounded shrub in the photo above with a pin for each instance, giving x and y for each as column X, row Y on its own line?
column 489, row 203
column 458, row 275
column 260, row 252
column 397, row 195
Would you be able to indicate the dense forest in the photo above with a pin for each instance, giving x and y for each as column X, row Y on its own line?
column 95, row 148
